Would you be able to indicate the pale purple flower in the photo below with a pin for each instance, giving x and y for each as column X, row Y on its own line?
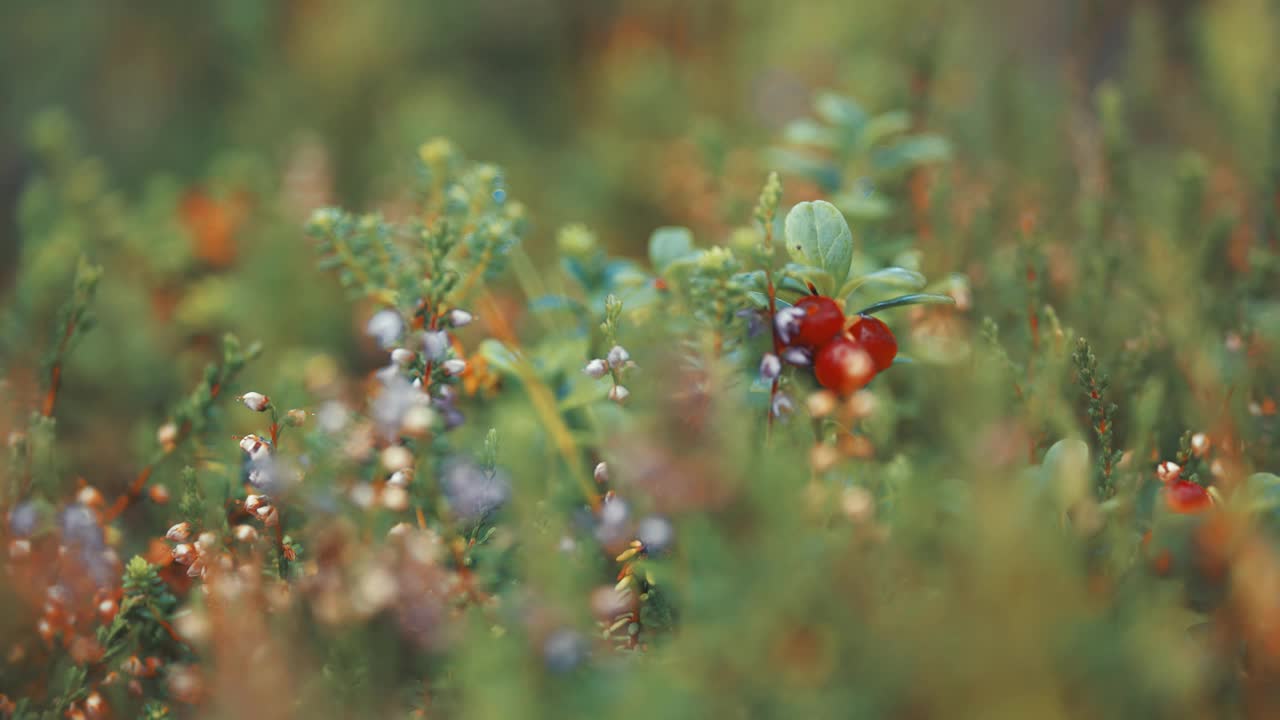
column 472, row 491
column 385, row 327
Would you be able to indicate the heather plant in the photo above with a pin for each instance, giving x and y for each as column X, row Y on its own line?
column 893, row 437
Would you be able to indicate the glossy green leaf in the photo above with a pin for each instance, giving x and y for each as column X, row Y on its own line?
column 913, row 299
column 817, row 235
column 890, row 277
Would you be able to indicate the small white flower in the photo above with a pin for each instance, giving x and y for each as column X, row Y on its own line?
column 417, row 421
column 1200, row 444
column 399, row 478
column 253, row 503
column 167, row 436
column 401, row 356
column 601, row 473
column 435, row 343
column 786, row 322
column 596, row 369
column 455, row 366
column 460, row 318
column 770, row 367
column 802, row 357
column 256, row 402
column 179, row 533
column 619, row 394
column 385, row 326
column 255, row 447
column 246, row 533
column 618, row 357
column 782, row 405
column 1168, row 471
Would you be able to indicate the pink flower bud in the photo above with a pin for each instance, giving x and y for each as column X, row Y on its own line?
column 601, row 473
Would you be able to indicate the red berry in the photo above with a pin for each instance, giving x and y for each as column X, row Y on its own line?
column 844, row 366
column 877, row 338
column 822, row 320
column 1184, row 496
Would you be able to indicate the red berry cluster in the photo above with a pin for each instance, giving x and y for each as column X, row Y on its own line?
column 846, row 356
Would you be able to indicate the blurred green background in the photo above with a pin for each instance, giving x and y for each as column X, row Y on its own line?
column 183, row 145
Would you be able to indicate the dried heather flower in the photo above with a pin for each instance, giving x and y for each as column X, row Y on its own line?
column 601, row 473
column 184, row 554
column 179, row 533
column 245, row 533
column 619, row 394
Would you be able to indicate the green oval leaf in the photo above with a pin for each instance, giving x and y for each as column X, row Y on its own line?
column 668, row 244
column 892, row 277
column 817, row 235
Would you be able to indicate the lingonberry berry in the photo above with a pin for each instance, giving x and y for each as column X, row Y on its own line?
column 877, row 339
column 822, row 320
column 844, row 366
column 1184, row 496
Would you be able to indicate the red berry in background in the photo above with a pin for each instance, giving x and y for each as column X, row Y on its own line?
column 822, row 320
column 844, row 366
column 1184, row 496
column 877, row 338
